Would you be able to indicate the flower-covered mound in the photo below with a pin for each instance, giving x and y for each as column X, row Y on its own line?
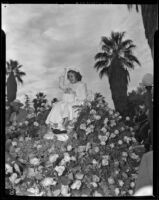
column 98, row 159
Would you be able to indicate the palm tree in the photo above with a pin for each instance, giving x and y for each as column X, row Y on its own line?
column 114, row 61
column 15, row 75
column 150, row 21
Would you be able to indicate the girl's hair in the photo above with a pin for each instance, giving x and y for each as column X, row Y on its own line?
column 77, row 75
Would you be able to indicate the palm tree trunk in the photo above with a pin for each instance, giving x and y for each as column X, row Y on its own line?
column 118, row 87
column 11, row 88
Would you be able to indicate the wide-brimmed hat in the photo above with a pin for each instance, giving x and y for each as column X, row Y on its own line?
column 147, row 80
column 16, row 102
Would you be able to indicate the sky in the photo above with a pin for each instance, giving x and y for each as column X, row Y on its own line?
column 46, row 38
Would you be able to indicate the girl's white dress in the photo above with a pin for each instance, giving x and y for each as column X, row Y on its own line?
column 64, row 108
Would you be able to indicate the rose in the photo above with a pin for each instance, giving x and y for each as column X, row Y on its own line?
column 127, row 118
column 97, row 117
column 20, row 123
column 120, row 142
column 64, row 190
column 104, row 130
column 132, row 184
column 79, row 176
column 47, row 182
column 53, row 158
column 112, row 145
column 36, row 124
column 96, row 178
column 97, row 194
column 106, row 121
column 67, row 157
column 83, row 126
column 117, row 191
column 116, row 132
column 60, row 170
column 116, row 172
column 88, row 121
column 121, row 183
column 76, row 185
column 13, row 177
column 122, row 129
column 110, row 112
column 111, row 180
column 96, row 149
column 94, row 162
column 103, row 143
column 112, row 135
column 8, row 168
column 125, row 154
column 94, row 184
column 69, row 148
column 34, row 161
column 131, row 192
column 26, row 123
column 14, row 143
column 93, row 112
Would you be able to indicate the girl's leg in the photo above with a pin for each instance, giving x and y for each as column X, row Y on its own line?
column 65, row 122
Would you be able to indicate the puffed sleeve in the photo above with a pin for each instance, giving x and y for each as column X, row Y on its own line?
column 81, row 93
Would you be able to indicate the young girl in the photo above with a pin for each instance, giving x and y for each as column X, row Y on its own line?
column 74, row 93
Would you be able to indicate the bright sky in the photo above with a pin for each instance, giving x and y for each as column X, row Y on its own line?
column 45, row 38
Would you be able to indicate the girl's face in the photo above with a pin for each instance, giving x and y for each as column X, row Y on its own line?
column 72, row 77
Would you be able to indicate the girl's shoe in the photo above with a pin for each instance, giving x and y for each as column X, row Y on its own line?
column 57, row 131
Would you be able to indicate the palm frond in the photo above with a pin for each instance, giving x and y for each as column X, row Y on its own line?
column 20, row 73
column 131, row 5
column 103, row 72
column 101, row 64
column 19, row 79
column 127, row 63
column 102, row 56
column 107, row 42
column 19, row 66
column 132, row 58
column 126, row 44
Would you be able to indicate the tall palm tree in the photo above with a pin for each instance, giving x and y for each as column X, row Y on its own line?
column 15, row 75
column 149, row 14
column 114, row 61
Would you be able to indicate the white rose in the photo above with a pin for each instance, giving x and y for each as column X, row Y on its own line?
column 8, row 168
column 112, row 145
column 34, row 161
column 79, row 176
column 132, row 184
column 97, row 194
column 116, row 132
column 112, row 135
column 88, row 121
column 83, row 126
column 96, row 149
column 76, row 185
column 21, row 139
column 127, row 118
column 67, row 157
column 122, row 129
column 106, row 121
column 53, row 157
column 124, row 154
column 105, row 162
column 117, row 191
column 64, row 190
column 94, row 184
column 111, row 180
column 13, row 177
column 97, row 117
column 121, row 183
column 26, row 123
column 20, row 123
column 103, row 143
column 36, row 124
column 60, row 170
column 73, row 158
column 116, row 172
column 48, row 181
column 96, row 178
column 120, row 142
column 14, row 143
column 69, row 148
column 94, row 162
column 131, row 192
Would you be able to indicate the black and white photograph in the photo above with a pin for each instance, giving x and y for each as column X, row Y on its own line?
column 79, row 88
